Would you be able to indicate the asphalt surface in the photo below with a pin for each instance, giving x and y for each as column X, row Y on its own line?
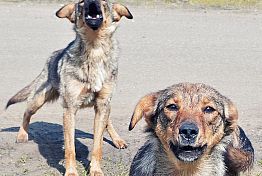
column 160, row 47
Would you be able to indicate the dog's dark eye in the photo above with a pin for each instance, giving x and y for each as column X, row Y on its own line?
column 172, row 107
column 208, row 110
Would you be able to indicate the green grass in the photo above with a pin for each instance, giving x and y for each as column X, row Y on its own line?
column 115, row 167
column 260, row 165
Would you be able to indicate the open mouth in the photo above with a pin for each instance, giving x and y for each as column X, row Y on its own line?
column 187, row 153
column 93, row 14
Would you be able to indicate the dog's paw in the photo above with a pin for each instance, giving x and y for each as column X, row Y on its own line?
column 96, row 171
column 71, row 172
column 120, row 143
column 22, row 136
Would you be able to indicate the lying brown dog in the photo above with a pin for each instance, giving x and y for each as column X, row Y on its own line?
column 194, row 131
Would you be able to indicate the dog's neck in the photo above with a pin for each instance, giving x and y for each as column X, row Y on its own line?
column 95, row 43
column 96, row 37
column 94, row 52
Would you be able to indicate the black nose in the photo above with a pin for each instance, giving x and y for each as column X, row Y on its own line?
column 188, row 131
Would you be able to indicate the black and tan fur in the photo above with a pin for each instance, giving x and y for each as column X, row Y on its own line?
column 83, row 74
column 194, row 132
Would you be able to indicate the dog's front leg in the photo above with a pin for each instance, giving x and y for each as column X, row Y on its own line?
column 102, row 111
column 69, row 138
column 74, row 93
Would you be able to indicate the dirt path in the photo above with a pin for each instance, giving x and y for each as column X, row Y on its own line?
column 159, row 48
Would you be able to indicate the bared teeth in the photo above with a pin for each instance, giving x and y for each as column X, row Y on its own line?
column 95, row 17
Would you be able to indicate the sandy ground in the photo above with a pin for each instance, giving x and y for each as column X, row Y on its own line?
column 159, row 47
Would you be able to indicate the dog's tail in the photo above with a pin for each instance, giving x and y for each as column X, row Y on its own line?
column 20, row 96
column 23, row 94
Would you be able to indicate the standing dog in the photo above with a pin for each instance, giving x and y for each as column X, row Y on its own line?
column 194, row 132
column 83, row 74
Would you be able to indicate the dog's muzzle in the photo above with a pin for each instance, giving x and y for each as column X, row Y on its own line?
column 187, row 153
column 93, row 16
column 186, row 150
column 188, row 133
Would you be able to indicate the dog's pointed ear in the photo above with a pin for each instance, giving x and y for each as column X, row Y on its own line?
column 231, row 117
column 67, row 11
column 144, row 108
column 119, row 10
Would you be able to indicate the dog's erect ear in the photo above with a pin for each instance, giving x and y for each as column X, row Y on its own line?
column 67, row 11
column 144, row 108
column 231, row 117
column 119, row 10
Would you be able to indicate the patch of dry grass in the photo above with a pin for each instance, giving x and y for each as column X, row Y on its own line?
column 260, row 165
column 225, row 3
column 202, row 3
column 193, row 3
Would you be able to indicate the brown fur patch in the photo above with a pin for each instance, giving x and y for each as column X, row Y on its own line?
column 145, row 107
column 240, row 160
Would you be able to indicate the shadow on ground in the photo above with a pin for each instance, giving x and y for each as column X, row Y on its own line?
column 50, row 140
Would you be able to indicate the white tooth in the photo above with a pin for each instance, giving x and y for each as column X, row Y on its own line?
column 97, row 16
column 89, row 16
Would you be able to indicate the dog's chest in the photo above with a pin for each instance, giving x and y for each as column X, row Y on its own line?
column 212, row 165
column 97, row 67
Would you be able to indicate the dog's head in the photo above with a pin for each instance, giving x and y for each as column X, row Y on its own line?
column 189, row 119
column 94, row 13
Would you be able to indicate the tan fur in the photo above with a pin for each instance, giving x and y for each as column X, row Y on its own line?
column 67, row 12
column 84, row 74
column 119, row 11
column 144, row 108
column 215, row 117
